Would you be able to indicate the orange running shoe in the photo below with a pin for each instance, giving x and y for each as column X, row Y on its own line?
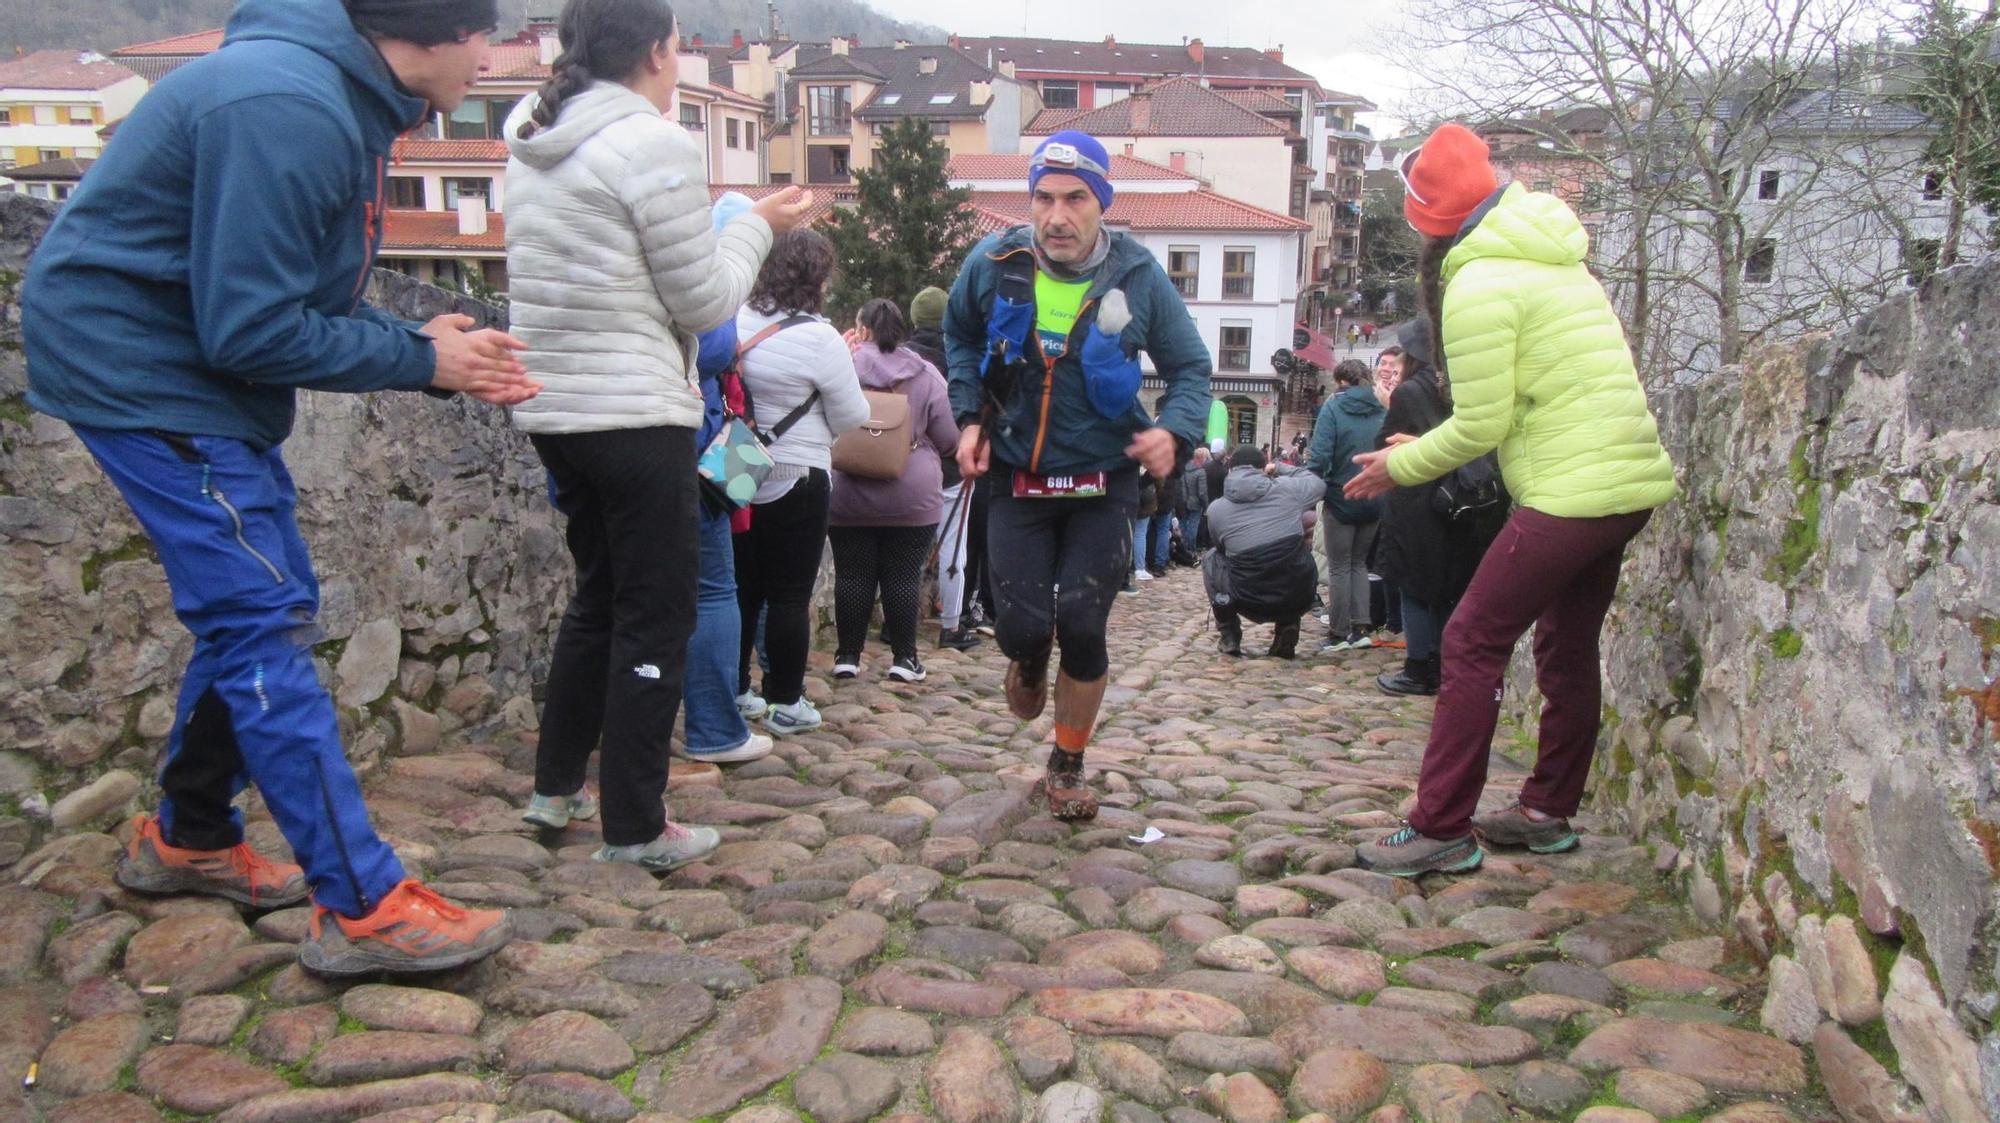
column 412, row 930
column 239, row 873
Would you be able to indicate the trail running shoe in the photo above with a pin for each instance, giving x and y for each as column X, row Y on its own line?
column 1069, row 795
column 1407, row 853
column 413, row 930
column 798, row 717
column 1027, row 689
column 676, row 847
column 1513, row 826
column 556, row 811
column 239, row 873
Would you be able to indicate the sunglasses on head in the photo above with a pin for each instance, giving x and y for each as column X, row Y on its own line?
column 1403, row 173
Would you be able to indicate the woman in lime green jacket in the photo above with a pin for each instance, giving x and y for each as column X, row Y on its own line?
column 1536, row 368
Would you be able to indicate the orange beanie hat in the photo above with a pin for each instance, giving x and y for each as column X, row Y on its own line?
column 1445, row 181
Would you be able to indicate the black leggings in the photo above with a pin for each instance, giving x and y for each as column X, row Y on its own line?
column 1057, row 566
column 777, row 561
column 615, row 673
column 889, row 558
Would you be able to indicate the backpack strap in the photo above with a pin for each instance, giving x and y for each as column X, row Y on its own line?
column 743, row 348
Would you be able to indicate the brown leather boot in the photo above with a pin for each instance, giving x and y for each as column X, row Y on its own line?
column 1027, row 689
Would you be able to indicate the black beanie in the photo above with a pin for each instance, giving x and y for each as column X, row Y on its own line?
column 424, row 22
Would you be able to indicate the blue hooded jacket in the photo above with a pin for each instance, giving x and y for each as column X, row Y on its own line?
column 1048, row 424
column 1348, row 424
column 212, row 262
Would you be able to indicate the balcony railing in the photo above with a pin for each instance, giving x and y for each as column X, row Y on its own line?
column 1236, row 288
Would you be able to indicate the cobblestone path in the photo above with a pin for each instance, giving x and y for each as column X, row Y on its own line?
column 891, row 930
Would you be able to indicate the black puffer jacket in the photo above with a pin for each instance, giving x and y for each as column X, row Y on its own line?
column 1424, row 554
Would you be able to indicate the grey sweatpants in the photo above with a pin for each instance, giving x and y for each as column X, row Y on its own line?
column 1347, row 574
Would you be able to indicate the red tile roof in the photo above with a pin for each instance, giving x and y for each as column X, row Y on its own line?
column 438, row 230
column 419, row 150
column 1142, row 60
column 62, row 70
column 1164, row 210
column 1004, row 166
column 193, row 43
column 1175, row 107
column 1259, row 101
column 51, row 170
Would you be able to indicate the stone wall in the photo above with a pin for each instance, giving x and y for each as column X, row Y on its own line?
column 1796, row 673
column 441, row 564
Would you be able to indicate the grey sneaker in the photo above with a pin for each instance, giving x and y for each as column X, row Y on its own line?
column 676, row 847
column 1408, row 853
column 796, row 717
column 556, row 811
column 751, row 705
column 1512, row 826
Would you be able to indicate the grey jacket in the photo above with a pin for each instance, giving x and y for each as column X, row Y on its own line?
column 1257, row 510
column 1194, row 488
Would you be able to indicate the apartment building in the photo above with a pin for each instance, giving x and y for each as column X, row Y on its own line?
column 52, row 104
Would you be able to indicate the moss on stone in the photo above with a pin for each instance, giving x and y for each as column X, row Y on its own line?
column 1786, row 643
column 132, row 549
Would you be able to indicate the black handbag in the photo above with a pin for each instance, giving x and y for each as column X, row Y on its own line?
column 1470, row 490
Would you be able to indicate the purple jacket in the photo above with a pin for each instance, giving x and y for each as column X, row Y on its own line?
column 916, row 499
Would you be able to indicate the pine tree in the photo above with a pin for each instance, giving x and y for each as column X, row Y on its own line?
column 908, row 229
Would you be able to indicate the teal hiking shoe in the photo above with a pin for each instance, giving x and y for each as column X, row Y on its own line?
column 1513, row 826
column 1407, row 853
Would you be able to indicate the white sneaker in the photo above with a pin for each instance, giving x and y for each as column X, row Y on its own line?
column 1143, row 575
column 676, row 847
column 751, row 706
column 799, row 717
column 756, row 747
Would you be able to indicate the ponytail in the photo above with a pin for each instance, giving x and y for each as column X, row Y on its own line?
column 602, row 40
column 884, row 322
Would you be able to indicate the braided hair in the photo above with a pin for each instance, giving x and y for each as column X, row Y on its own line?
column 601, row 40
column 1430, row 285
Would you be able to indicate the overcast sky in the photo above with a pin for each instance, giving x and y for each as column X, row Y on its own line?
column 1338, row 49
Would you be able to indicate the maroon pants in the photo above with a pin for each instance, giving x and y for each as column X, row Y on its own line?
column 1558, row 575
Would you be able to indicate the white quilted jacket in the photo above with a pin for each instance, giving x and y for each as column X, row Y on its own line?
column 613, row 264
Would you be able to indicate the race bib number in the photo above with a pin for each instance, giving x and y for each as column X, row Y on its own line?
column 1028, row 485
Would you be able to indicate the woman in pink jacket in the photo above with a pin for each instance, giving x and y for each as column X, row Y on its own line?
column 881, row 530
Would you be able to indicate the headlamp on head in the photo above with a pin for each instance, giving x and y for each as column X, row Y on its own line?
column 1059, row 156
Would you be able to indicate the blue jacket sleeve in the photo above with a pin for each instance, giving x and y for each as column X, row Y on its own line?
column 965, row 336
column 1180, row 357
column 259, row 211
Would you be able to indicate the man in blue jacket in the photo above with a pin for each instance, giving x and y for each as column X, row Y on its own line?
column 209, row 267
column 1042, row 332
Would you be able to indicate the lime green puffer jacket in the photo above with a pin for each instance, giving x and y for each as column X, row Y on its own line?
column 1540, row 370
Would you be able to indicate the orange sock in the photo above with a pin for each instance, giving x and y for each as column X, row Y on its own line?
column 1070, row 739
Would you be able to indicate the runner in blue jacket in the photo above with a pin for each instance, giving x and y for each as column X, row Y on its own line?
column 1042, row 331
column 209, row 267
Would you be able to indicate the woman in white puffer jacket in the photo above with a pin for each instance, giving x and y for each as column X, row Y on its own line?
column 613, row 269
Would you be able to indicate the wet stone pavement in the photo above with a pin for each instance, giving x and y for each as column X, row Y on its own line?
column 892, row 930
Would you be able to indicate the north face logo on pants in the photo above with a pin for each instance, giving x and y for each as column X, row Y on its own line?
column 646, row 670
